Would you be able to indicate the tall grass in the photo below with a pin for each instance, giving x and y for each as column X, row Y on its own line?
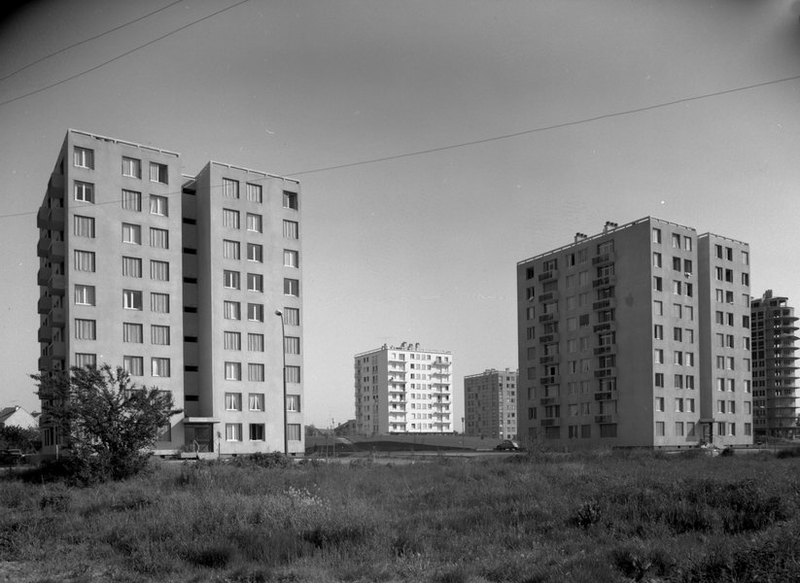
column 593, row 517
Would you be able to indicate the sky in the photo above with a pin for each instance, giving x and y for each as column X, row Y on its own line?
column 437, row 145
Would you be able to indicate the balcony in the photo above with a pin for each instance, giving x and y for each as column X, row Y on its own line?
column 550, row 422
column 550, row 380
column 607, row 349
column 604, row 281
column 611, row 418
column 43, row 275
column 548, row 401
column 43, row 247
column 548, row 317
column 548, row 359
column 604, row 258
column 58, row 284
column 43, row 218
column 605, row 372
column 548, row 338
column 548, row 275
column 604, row 396
column 57, row 250
column 45, row 304
column 605, row 303
column 58, row 317
column 549, row 296
column 57, row 218
column 59, row 350
column 440, row 363
column 45, row 334
column 608, row 326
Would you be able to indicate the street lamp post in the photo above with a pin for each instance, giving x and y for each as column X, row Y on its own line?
column 283, row 349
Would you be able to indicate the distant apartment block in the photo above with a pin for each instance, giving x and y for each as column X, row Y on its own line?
column 490, row 404
column 403, row 389
column 636, row 336
column 774, row 367
column 178, row 279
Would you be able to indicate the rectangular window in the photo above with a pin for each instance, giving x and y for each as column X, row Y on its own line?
column 255, row 372
column 84, row 260
column 230, row 249
column 291, row 316
column 233, row 372
column 256, row 432
column 291, row 258
column 659, row 406
column 289, row 200
column 659, row 429
column 159, row 205
column 656, row 259
column 230, row 188
column 132, row 200
column 291, row 287
column 83, row 226
column 131, row 266
column 159, row 303
column 255, row 342
column 254, row 223
column 292, row 374
column 233, row 432
column 132, row 333
column 85, row 329
column 131, row 167
column 256, row 401
column 255, row 252
column 83, row 158
column 84, row 295
column 232, row 310
column 657, row 236
column 131, row 234
column 254, row 193
column 230, row 218
column 232, row 340
column 658, row 308
column 158, row 173
column 255, row 282
column 231, row 279
column 291, row 345
column 293, row 403
column 83, row 359
column 159, row 367
column 159, row 238
column 159, row 335
column 159, row 270
column 133, row 365
column 131, row 299
column 291, row 230
column 293, row 432
column 255, row 312
column 84, row 191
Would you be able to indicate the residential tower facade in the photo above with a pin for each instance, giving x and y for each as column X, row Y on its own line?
column 490, row 404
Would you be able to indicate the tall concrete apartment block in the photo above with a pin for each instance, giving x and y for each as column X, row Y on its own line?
column 636, row 336
column 774, row 367
column 490, row 404
column 191, row 283
column 403, row 389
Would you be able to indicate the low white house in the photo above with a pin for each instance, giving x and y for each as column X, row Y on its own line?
column 17, row 416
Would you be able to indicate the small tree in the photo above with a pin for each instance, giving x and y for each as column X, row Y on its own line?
column 106, row 423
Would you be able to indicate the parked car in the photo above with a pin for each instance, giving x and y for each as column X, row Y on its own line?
column 11, row 457
column 507, row 445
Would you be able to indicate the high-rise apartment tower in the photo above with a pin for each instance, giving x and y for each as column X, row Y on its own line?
column 490, row 404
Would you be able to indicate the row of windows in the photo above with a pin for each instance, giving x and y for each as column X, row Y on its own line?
column 85, row 329
column 678, row 264
column 678, row 357
column 230, row 189
column 255, row 342
column 678, row 310
column 682, row 405
column 133, row 365
column 131, row 167
column 678, row 242
column 131, row 299
column 679, row 381
column 233, row 432
column 255, row 372
column 678, row 287
column 255, row 401
column 723, row 428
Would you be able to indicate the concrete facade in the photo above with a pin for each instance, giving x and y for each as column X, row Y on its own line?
column 615, row 347
column 132, row 274
column 490, row 404
column 403, row 389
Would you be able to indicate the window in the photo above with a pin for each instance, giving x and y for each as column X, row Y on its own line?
column 158, row 173
column 255, row 282
column 159, row 367
column 676, row 241
column 291, row 345
column 687, row 243
column 291, row 230
column 131, row 299
column 658, row 356
column 677, row 334
column 657, row 284
column 255, row 312
column 676, row 263
column 293, row 403
column 233, row 432
column 255, row 252
column 746, row 257
column 656, row 259
column 159, row 205
column 289, row 200
column 132, row 200
column 84, row 260
column 134, row 365
column 230, row 218
column 159, row 335
column 132, row 333
column 746, row 279
column 658, row 332
column 659, row 379
column 658, row 308
column 131, row 267
column 159, row 303
column 159, row 270
column 291, row 258
column 83, row 226
column 293, row 431
column 233, row 371
column 660, row 428
column 231, row 279
column 131, row 234
column 84, row 295
column 232, row 310
column 83, row 359
column 232, row 340
column 659, row 404
column 657, row 236
column 83, row 157
column 230, row 249
column 230, row 188
column 255, row 342
column 85, row 329
column 292, row 374
column 254, row 223
column 291, row 316
column 254, row 193
column 679, row 428
column 256, row 432
column 255, row 372
column 291, row 287
column 84, row 191
column 131, row 167
column 159, row 238
column 256, row 401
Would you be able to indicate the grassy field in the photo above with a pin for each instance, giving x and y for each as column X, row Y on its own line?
column 592, row 517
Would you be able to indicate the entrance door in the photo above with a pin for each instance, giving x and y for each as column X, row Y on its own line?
column 199, row 438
